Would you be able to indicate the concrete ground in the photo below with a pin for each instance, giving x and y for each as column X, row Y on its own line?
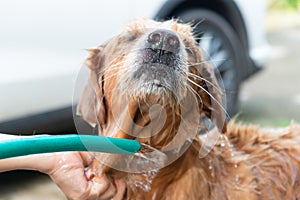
column 27, row 185
column 271, row 98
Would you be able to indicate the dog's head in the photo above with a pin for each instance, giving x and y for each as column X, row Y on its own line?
column 149, row 63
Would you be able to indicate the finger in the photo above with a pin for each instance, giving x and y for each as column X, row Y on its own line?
column 72, row 182
column 70, row 176
column 121, row 188
column 103, row 187
column 87, row 158
column 109, row 193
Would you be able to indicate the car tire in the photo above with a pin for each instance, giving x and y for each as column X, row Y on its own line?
column 221, row 47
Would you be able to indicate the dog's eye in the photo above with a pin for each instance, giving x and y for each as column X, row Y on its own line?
column 189, row 51
column 131, row 38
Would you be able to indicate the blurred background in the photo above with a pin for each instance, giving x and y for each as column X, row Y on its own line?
column 46, row 40
column 272, row 97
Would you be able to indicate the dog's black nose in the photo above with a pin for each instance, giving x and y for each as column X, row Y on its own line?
column 164, row 40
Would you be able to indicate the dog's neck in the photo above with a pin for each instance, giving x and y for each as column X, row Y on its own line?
column 186, row 170
column 153, row 122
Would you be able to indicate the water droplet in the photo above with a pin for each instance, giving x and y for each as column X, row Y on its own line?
column 225, row 142
column 222, row 143
column 211, row 167
column 190, row 139
column 177, row 151
column 143, row 183
column 237, row 178
column 212, row 174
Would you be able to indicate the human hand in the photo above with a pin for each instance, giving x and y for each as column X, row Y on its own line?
column 68, row 172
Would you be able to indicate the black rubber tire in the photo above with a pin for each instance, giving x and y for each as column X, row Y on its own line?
column 207, row 21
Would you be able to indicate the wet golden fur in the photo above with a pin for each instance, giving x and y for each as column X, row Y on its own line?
column 260, row 164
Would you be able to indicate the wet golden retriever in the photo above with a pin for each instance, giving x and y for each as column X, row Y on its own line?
column 159, row 64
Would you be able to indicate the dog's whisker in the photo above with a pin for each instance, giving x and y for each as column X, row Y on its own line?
column 189, row 49
column 212, row 97
column 160, row 113
column 203, row 38
column 141, row 111
column 191, row 89
column 206, row 81
column 206, row 61
column 168, row 135
column 135, row 50
column 117, row 64
column 112, row 75
column 195, row 25
column 102, row 73
column 114, row 68
column 107, row 78
column 197, row 34
column 188, row 124
column 108, row 69
column 196, row 64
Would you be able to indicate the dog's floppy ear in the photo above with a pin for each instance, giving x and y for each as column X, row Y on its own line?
column 211, row 96
column 91, row 106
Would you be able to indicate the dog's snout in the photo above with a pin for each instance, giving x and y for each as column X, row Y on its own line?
column 164, row 40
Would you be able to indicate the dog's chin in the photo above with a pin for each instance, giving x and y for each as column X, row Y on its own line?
column 150, row 80
column 153, row 91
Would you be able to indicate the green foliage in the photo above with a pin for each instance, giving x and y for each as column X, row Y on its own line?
column 294, row 3
column 286, row 4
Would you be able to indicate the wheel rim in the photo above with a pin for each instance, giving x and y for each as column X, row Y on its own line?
column 217, row 50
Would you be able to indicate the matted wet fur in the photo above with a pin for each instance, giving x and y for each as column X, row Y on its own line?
column 246, row 162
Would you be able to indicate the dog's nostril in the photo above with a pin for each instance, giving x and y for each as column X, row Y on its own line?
column 162, row 39
column 154, row 37
column 173, row 41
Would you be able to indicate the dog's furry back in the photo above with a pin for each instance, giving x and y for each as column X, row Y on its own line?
column 260, row 164
column 267, row 161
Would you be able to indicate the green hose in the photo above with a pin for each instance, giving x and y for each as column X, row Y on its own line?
column 71, row 142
